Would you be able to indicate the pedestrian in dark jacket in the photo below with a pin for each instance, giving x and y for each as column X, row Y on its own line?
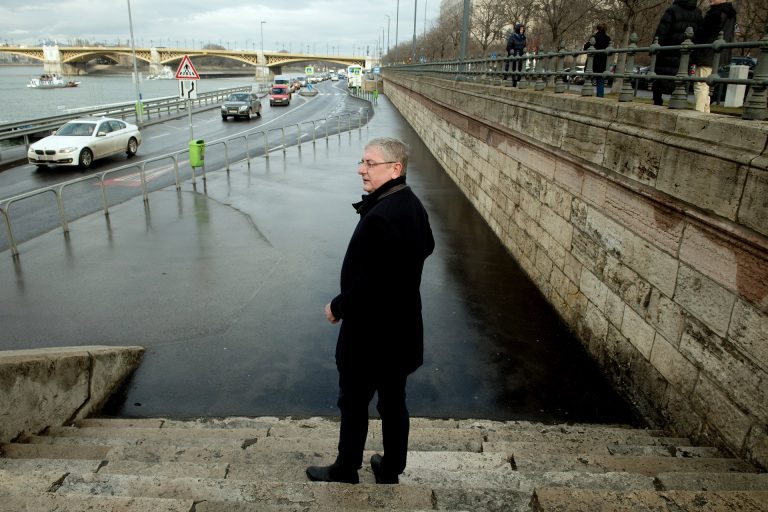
column 381, row 337
column 671, row 31
column 516, row 44
column 721, row 17
column 599, row 60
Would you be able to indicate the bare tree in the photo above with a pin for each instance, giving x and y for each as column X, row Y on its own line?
column 487, row 23
column 566, row 20
column 752, row 18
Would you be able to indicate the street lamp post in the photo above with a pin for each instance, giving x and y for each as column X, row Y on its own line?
column 397, row 21
column 413, row 46
column 388, row 21
column 135, row 69
column 262, row 36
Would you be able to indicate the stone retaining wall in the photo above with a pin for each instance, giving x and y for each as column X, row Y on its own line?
column 644, row 227
column 49, row 387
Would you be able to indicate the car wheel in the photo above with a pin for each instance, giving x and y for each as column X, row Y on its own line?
column 258, row 114
column 223, row 118
column 248, row 115
column 133, row 147
column 86, row 158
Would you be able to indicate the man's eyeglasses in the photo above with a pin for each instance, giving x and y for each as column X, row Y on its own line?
column 369, row 165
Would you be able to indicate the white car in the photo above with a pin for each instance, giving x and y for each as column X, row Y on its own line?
column 81, row 141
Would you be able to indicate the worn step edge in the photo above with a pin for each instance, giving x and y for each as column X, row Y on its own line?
column 68, row 503
column 564, row 500
column 641, row 465
column 269, row 493
column 713, row 481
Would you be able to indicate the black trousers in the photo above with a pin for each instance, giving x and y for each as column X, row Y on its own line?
column 356, row 390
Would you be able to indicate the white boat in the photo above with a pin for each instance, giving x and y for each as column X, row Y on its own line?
column 51, row 81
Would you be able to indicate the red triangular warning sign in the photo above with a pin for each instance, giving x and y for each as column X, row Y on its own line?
column 186, row 70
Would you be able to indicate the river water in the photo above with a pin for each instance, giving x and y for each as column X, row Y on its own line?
column 20, row 103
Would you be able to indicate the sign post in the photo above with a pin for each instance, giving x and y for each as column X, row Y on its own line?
column 187, row 77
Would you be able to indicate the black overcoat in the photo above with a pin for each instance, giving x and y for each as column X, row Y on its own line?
column 380, row 302
column 671, row 32
column 719, row 18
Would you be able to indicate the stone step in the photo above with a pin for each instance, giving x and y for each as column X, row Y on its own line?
column 713, row 481
column 567, row 500
column 590, row 436
column 52, row 451
column 532, row 461
column 601, row 448
column 63, row 503
column 342, row 496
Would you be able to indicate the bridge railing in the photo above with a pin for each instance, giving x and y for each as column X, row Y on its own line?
column 176, row 158
column 20, row 133
column 541, row 69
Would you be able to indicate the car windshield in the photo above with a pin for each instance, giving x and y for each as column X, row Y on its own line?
column 238, row 97
column 77, row 129
column 278, row 90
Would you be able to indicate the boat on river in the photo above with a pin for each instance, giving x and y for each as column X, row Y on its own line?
column 51, row 81
column 166, row 74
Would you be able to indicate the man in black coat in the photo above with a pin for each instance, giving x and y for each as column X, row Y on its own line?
column 381, row 337
column 671, row 32
column 516, row 44
column 721, row 17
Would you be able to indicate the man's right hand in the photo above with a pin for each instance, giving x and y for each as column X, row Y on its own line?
column 329, row 314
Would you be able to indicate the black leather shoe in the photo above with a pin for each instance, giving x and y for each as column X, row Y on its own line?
column 382, row 477
column 332, row 473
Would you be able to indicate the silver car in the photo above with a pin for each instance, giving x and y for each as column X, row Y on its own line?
column 241, row 104
column 81, row 141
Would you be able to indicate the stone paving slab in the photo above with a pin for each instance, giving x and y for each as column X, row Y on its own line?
column 567, row 500
column 17, row 466
column 166, row 469
column 207, row 442
column 482, row 500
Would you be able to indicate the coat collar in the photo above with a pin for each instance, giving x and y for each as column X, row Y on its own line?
column 369, row 200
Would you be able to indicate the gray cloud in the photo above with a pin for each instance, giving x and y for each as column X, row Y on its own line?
column 320, row 24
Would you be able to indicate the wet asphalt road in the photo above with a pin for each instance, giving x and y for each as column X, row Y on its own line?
column 225, row 287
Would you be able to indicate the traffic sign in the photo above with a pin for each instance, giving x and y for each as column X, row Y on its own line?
column 187, row 89
column 309, row 70
column 186, row 70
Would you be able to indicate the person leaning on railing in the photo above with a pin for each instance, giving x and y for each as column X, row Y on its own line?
column 600, row 60
column 721, row 17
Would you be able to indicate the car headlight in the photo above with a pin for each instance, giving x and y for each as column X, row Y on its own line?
column 243, row 108
column 67, row 150
column 224, row 108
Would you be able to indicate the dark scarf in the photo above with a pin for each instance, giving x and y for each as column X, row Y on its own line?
column 380, row 193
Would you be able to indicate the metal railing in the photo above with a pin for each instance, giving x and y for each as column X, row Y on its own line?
column 21, row 130
column 541, row 69
column 265, row 147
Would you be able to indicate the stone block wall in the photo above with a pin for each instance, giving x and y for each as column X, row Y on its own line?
column 644, row 227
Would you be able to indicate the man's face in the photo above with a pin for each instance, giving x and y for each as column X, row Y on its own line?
column 380, row 172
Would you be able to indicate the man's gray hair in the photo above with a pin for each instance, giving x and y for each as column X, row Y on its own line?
column 393, row 150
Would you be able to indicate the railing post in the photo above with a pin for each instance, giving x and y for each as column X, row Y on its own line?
column 755, row 106
column 62, row 213
column 226, row 155
column 523, row 82
column 560, row 80
column 627, row 91
column 588, row 89
column 11, row 240
column 540, row 82
column 653, row 50
column 679, row 97
column 104, row 193
column 143, row 176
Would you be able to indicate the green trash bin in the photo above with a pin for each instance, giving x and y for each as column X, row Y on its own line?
column 196, row 153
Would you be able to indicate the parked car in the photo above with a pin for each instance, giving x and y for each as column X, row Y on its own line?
column 241, row 104
column 279, row 95
column 81, row 141
column 334, row 77
column 575, row 75
column 643, row 82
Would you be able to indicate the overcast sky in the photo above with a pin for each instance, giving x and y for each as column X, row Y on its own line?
column 321, row 25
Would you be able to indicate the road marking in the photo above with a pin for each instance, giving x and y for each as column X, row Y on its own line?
column 134, row 179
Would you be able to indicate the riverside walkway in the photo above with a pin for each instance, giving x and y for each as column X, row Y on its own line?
column 225, row 284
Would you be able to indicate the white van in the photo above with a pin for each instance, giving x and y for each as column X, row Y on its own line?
column 282, row 80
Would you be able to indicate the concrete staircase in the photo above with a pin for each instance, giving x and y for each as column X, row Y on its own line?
column 257, row 464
